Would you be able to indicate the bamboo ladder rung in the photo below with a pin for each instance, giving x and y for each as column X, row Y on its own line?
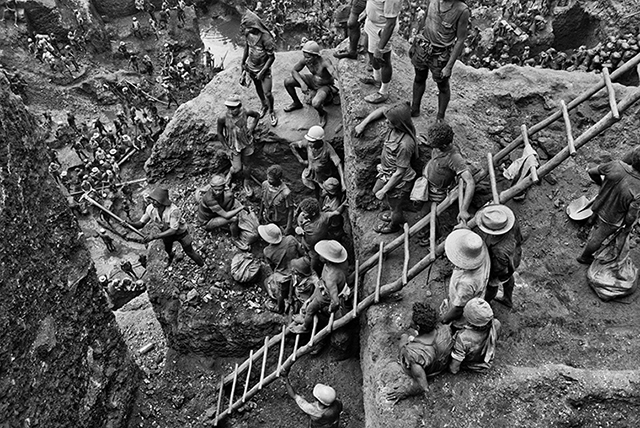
column 246, row 383
column 220, row 392
column 264, row 362
column 567, row 127
column 611, row 92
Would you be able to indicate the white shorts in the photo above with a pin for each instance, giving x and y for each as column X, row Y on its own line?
column 373, row 36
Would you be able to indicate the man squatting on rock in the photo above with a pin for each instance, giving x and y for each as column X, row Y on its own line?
column 321, row 80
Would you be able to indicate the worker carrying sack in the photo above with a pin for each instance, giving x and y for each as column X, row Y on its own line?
column 612, row 274
column 244, row 267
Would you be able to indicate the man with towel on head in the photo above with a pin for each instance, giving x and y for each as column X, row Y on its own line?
column 475, row 345
column 258, row 56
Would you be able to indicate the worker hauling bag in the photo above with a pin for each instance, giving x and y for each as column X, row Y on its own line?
column 612, row 273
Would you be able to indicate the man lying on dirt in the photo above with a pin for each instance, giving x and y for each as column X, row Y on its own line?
column 324, row 412
column 173, row 228
column 423, row 354
column 321, row 81
column 218, row 208
column 612, row 208
column 326, row 298
column 475, row 345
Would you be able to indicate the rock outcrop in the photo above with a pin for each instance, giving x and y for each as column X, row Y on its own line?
column 223, row 326
column 50, row 17
column 63, row 362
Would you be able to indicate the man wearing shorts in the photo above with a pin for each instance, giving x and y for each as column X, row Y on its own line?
column 379, row 26
column 236, row 134
column 321, row 80
column 353, row 26
column 437, row 49
column 259, row 54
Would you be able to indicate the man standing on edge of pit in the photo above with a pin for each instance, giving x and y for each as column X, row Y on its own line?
column 437, row 49
column 380, row 24
column 257, row 59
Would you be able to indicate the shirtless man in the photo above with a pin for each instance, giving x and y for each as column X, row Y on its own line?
column 321, row 80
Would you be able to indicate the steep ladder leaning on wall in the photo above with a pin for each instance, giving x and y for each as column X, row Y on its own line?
column 531, row 177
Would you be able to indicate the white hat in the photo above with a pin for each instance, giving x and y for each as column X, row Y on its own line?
column 270, row 233
column 233, row 101
column 324, row 394
column 315, row 133
column 495, row 219
column 331, row 250
column 465, row 249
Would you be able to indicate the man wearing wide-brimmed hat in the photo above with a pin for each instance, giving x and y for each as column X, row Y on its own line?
column 472, row 265
column 236, row 134
column 172, row 225
column 501, row 234
column 475, row 345
column 279, row 254
column 325, row 298
column 325, row 411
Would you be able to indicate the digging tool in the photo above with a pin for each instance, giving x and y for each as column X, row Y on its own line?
column 580, row 209
column 100, row 206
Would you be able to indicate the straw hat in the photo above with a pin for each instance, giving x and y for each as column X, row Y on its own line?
column 161, row 196
column 324, row 394
column 331, row 251
column 465, row 249
column 270, row 233
column 233, row 102
column 495, row 219
column 478, row 312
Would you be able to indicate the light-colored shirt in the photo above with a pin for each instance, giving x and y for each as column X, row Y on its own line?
column 467, row 284
column 171, row 218
column 379, row 10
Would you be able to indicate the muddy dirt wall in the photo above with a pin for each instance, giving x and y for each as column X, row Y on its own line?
column 63, row 362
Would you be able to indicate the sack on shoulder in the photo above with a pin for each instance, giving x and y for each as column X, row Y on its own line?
column 420, row 190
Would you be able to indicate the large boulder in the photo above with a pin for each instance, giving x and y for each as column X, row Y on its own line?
column 63, row 359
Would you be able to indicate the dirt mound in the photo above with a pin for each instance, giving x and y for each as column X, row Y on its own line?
column 65, row 363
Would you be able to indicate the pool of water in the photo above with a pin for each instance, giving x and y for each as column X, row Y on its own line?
column 222, row 36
